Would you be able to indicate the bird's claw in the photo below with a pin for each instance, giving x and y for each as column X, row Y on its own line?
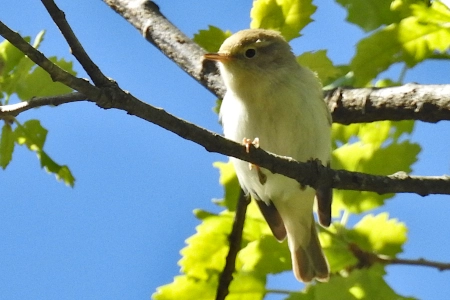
column 247, row 142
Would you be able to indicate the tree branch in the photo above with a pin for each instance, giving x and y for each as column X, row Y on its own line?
column 408, row 102
column 146, row 17
column 416, row 262
column 310, row 173
column 367, row 259
column 88, row 65
column 234, row 239
column 15, row 109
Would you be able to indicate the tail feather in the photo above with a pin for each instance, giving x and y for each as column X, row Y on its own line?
column 308, row 261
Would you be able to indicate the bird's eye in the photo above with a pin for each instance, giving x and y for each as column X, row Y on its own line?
column 250, row 53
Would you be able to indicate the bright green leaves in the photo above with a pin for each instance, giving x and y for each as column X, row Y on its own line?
column 6, row 145
column 33, row 135
column 379, row 234
column 207, row 249
column 211, row 39
column 204, row 258
column 230, row 183
column 359, row 284
column 374, row 148
column 38, row 83
column 287, row 16
column 21, row 77
column 410, row 40
column 319, row 62
column 369, row 14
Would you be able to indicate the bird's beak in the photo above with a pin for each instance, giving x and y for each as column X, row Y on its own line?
column 221, row 57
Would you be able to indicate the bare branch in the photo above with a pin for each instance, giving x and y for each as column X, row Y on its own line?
column 235, row 239
column 15, row 109
column 409, row 102
column 88, row 65
column 416, row 262
column 367, row 259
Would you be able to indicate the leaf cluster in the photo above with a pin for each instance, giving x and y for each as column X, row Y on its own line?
column 21, row 80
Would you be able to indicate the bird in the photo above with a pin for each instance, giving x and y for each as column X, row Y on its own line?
column 277, row 104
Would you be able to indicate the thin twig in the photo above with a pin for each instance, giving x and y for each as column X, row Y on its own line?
column 234, row 239
column 17, row 108
column 55, row 72
column 416, row 262
column 78, row 51
column 367, row 259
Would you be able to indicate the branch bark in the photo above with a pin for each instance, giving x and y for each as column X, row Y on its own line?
column 409, row 102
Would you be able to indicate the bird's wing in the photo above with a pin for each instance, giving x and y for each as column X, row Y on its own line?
column 273, row 218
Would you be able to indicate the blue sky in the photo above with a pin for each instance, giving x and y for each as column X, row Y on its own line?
column 118, row 233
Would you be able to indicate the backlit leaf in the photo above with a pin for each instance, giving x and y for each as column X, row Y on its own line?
column 211, row 38
column 287, row 16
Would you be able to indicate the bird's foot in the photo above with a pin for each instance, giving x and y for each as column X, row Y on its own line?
column 247, row 142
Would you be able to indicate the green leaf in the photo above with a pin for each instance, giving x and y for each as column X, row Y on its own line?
column 369, row 14
column 412, row 40
column 9, row 57
column 211, row 39
column 265, row 256
column 189, row 288
column 335, row 245
column 38, row 82
column 204, row 258
column 33, row 135
column 247, row 286
column 319, row 62
column 230, row 183
column 28, row 80
column 6, row 145
column 379, row 234
column 61, row 172
column 243, row 287
column 287, row 16
column 365, row 283
column 206, row 250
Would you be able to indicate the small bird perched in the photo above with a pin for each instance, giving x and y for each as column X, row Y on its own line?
column 274, row 101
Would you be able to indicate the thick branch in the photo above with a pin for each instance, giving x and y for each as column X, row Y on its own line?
column 428, row 103
column 409, row 102
column 146, row 17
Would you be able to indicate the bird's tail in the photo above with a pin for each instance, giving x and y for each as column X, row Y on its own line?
column 308, row 260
